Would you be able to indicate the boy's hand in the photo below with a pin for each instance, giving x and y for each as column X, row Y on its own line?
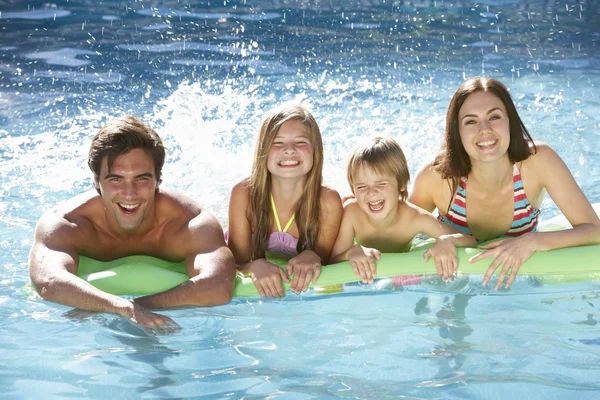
column 363, row 264
column 444, row 256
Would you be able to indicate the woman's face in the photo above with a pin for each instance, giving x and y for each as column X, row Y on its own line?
column 484, row 127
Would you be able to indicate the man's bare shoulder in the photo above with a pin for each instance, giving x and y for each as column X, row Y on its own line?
column 172, row 203
column 189, row 225
column 70, row 221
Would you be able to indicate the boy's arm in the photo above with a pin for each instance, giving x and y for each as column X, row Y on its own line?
column 431, row 226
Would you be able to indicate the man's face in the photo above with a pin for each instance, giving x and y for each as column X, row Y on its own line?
column 128, row 191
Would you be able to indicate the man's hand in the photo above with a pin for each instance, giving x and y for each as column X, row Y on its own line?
column 151, row 323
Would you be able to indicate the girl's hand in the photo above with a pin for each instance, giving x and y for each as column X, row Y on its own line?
column 363, row 264
column 267, row 278
column 510, row 253
column 444, row 256
column 304, row 267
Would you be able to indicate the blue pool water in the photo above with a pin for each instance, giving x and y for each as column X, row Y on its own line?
column 203, row 74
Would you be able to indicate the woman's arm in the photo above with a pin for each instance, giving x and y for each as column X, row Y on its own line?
column 550, row 172
column 423, row 193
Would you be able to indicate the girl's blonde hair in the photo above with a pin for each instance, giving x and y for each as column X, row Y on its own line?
column 308, row 208
column 384, row 156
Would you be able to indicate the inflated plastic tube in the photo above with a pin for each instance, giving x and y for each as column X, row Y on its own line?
column 141, row 275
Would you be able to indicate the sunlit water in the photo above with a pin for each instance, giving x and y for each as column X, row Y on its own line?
column 203, row 75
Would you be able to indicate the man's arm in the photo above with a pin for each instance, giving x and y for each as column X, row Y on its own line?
column 209, row 263
column 53, row 271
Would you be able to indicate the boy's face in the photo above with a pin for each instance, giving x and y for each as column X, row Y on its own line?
column 376, row 194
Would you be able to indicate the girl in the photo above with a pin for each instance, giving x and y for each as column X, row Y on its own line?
column 489, row 151
column 282, row 207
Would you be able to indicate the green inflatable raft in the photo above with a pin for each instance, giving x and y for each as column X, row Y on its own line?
column 143, row 275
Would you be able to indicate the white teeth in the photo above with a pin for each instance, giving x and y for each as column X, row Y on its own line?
column 129, row 207
column 486, row 143
column 289, row 162
column 376, row 205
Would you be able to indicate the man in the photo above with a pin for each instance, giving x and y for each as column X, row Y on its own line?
column 130, row 215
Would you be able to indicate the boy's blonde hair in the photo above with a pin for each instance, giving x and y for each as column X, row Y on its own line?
column 308, row 209
column 383, row 156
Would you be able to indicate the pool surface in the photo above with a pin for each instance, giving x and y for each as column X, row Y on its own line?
column 203, row 74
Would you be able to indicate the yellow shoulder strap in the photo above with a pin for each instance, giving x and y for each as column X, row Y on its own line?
column 277, row 217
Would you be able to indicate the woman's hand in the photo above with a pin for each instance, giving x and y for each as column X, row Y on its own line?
column 510, row 253
column 444, row 257
column 305, row 267
column 363, row 264
column 267, row 278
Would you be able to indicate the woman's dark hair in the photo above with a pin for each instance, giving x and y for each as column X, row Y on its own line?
column 453, row 161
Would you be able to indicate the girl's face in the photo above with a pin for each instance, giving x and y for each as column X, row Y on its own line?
column 484, row 127
column 376, row 194
column 291, row 154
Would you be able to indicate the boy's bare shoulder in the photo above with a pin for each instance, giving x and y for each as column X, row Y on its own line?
column 414, row 211
column 351, row 207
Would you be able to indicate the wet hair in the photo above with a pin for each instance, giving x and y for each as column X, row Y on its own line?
column 308, row 208
column 120, row 136
column 453, row 162
column 383, row 156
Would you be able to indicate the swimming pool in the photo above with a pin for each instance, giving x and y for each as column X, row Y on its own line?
column 203, row 76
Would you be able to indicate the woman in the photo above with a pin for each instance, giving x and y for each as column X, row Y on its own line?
column 488, row 149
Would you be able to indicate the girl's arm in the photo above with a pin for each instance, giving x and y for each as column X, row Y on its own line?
column 240, row 231
column 331, row 218
column 265, row 275
column 306, row 266
column 345, row 238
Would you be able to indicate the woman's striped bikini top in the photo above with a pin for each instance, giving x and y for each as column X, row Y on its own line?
column 525, row 216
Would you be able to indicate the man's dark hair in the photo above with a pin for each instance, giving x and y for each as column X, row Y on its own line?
column 121, row 135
